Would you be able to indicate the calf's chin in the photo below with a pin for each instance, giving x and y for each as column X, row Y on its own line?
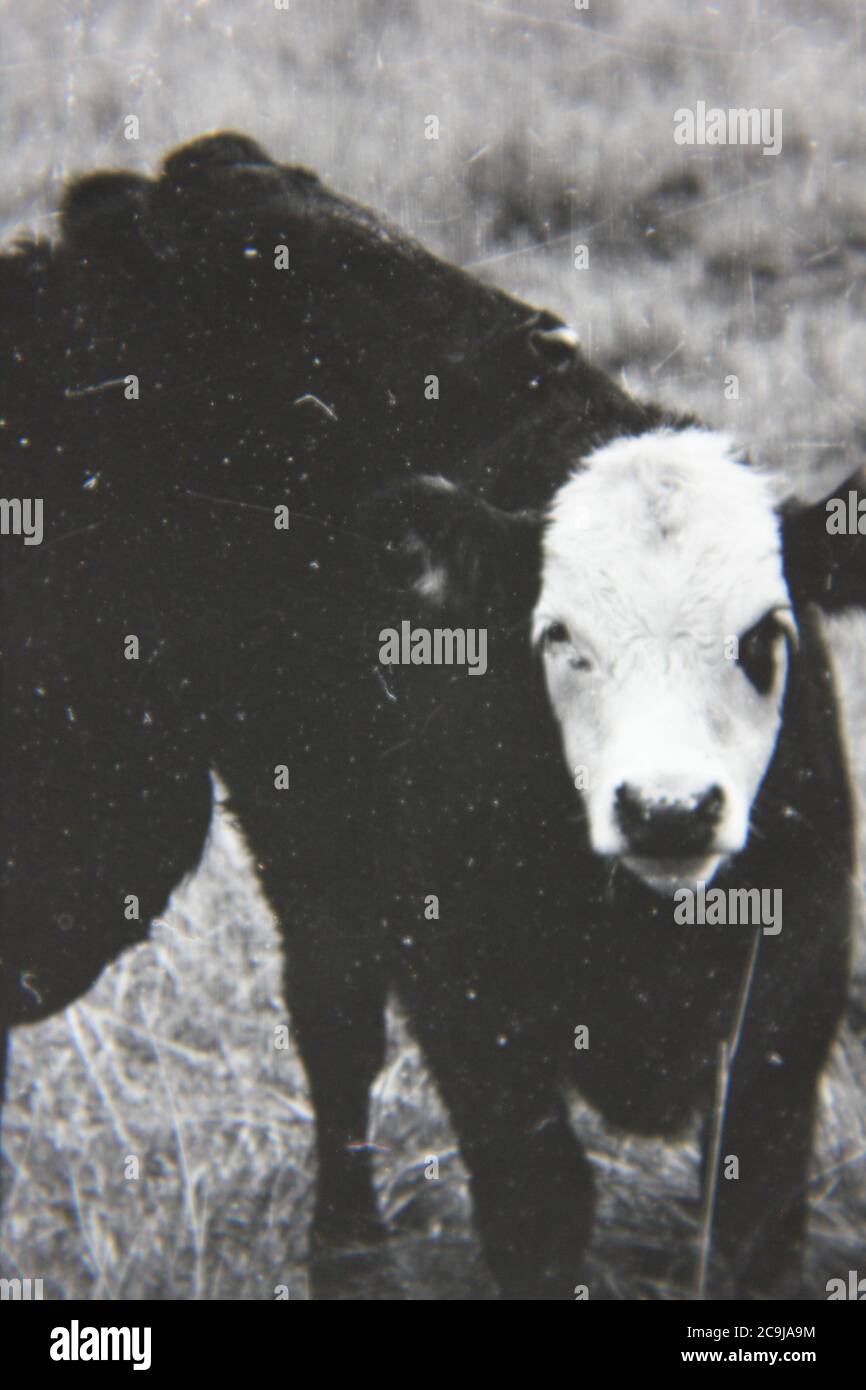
column 667, row 876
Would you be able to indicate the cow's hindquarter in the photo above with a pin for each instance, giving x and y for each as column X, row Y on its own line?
column 107, row 794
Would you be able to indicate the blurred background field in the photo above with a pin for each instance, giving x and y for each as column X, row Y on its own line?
column 556, row 129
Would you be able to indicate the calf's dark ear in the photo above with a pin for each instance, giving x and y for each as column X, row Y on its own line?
column 454, row 552
column 824, row 547
column 558, row 346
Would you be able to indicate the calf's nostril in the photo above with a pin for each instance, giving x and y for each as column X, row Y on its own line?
column 709, row 806
column 668, row 826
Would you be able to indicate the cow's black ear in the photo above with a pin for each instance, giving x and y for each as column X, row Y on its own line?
column 824, row 546
column 211, row 154
column 558, row 346
column 103, row 211
column 455, row 552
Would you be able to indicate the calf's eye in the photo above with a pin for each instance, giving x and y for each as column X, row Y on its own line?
column 555, row 634
column 758, row 652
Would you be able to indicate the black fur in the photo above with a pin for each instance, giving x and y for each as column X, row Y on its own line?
column 260, row 647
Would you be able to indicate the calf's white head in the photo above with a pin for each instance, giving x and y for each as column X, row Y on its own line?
column 660, row 608
column 663, row 623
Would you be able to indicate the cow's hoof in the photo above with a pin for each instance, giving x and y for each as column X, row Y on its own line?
column 344, row 1232
column 354, row 1267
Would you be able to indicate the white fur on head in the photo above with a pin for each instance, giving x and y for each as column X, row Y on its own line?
column 659, row 553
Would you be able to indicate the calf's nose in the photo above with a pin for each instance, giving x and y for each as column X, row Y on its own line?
column 668, row 827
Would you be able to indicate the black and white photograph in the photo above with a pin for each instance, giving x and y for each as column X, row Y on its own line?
column 432, row 656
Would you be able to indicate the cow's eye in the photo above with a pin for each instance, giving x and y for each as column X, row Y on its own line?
column 759, row 649
column 555, row 634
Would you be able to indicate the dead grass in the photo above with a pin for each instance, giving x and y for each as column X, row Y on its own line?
column 556, row 129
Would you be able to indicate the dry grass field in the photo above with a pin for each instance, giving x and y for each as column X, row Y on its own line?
column 556, row 129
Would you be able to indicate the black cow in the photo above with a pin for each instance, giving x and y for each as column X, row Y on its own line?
column 201, row 351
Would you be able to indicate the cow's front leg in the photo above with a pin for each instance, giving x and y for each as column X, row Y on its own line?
column 531, row 1184
column 532, row 1191
column 338, row 1014
column 760, row 1207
